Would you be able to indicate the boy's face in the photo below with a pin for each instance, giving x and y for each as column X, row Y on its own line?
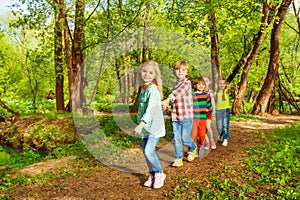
column 181, row 73
column 200, row 87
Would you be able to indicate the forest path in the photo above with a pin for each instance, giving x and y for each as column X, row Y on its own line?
column 108, row 183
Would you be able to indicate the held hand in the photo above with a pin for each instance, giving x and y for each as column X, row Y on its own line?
column 165, row 104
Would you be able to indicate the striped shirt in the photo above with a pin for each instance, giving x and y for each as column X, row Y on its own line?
column 181, row 96
column 201, row 105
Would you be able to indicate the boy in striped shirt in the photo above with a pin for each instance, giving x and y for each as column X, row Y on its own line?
column 201, row 106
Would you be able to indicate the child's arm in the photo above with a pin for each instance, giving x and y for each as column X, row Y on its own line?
column 179, row 91
column 227, row 88
column 209, row 107
column 213, row 102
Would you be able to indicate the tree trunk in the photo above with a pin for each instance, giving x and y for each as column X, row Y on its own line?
column 58, row 60
column 216, row 69
column 78, row 99
column 252, row 93
column 265, row 93
column 6, row 107
column 145, row 33
column 238, row 100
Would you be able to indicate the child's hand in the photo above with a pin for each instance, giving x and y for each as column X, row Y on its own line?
column 138, row 129
column 165, row 104
column 227, row 86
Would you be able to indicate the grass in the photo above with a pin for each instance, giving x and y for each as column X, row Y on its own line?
column 271, row 171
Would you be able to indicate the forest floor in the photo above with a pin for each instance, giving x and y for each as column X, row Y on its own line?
column 106, row 183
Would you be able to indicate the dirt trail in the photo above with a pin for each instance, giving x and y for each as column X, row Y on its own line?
column 107, row 183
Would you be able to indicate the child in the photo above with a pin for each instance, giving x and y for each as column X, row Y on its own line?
column 210, row 143
column 182, row 113
column 201, row 106
column 151, row 121
column 223, row 111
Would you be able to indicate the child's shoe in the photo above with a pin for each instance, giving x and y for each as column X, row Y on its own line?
column 207, row 147
column 213, row 144
column 220, row 138
column 192, row 155
column 178, row 162
column 201, row 151
column 159, row 179
column 225, row 143
column 149, row 182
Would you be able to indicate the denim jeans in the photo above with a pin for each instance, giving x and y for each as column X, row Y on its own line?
column 222, row 121
column 149, row 149
column 182, row 133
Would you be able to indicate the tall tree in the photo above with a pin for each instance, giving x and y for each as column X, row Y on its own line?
column 58, row 56
column 239, row 98
column 216, row 68
column 77, row 98
column 266, row 92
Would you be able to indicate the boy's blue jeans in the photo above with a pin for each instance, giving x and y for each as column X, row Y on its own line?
column 222, row 121
column 149, row 149
column 182, row 133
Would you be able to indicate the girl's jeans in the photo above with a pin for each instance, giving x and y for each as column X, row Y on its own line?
column 182, row 133
column 149, row 149
column 222, row 121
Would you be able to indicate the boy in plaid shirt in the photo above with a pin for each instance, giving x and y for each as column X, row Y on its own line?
column 182, row 113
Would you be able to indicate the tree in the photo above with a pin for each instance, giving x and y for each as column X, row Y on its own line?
column 58, row 54
column 239, row 98
column 266, row 92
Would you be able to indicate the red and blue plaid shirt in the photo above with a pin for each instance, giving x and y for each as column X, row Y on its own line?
column 181, row 96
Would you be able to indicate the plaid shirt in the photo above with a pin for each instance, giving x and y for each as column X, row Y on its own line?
column 181, row 96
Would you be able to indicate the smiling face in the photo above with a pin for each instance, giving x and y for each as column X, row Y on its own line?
column 200, row 87
column 148, row 74
column 222, row 84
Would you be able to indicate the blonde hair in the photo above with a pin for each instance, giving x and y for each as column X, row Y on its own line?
column 182, row 64
column 157, row 81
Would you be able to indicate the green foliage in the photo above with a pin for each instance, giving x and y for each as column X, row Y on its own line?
column 24, row 107
column 276, row 163
column 20, row 159
column 113, row 131
column 39, row 133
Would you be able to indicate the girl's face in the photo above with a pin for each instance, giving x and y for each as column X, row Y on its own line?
column 200, row 87
column 207, row 81
column 148, row 74
column 222, row 84
column 181, row 73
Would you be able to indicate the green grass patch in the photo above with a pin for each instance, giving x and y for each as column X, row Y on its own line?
column 19, row 159
column 272, row 171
